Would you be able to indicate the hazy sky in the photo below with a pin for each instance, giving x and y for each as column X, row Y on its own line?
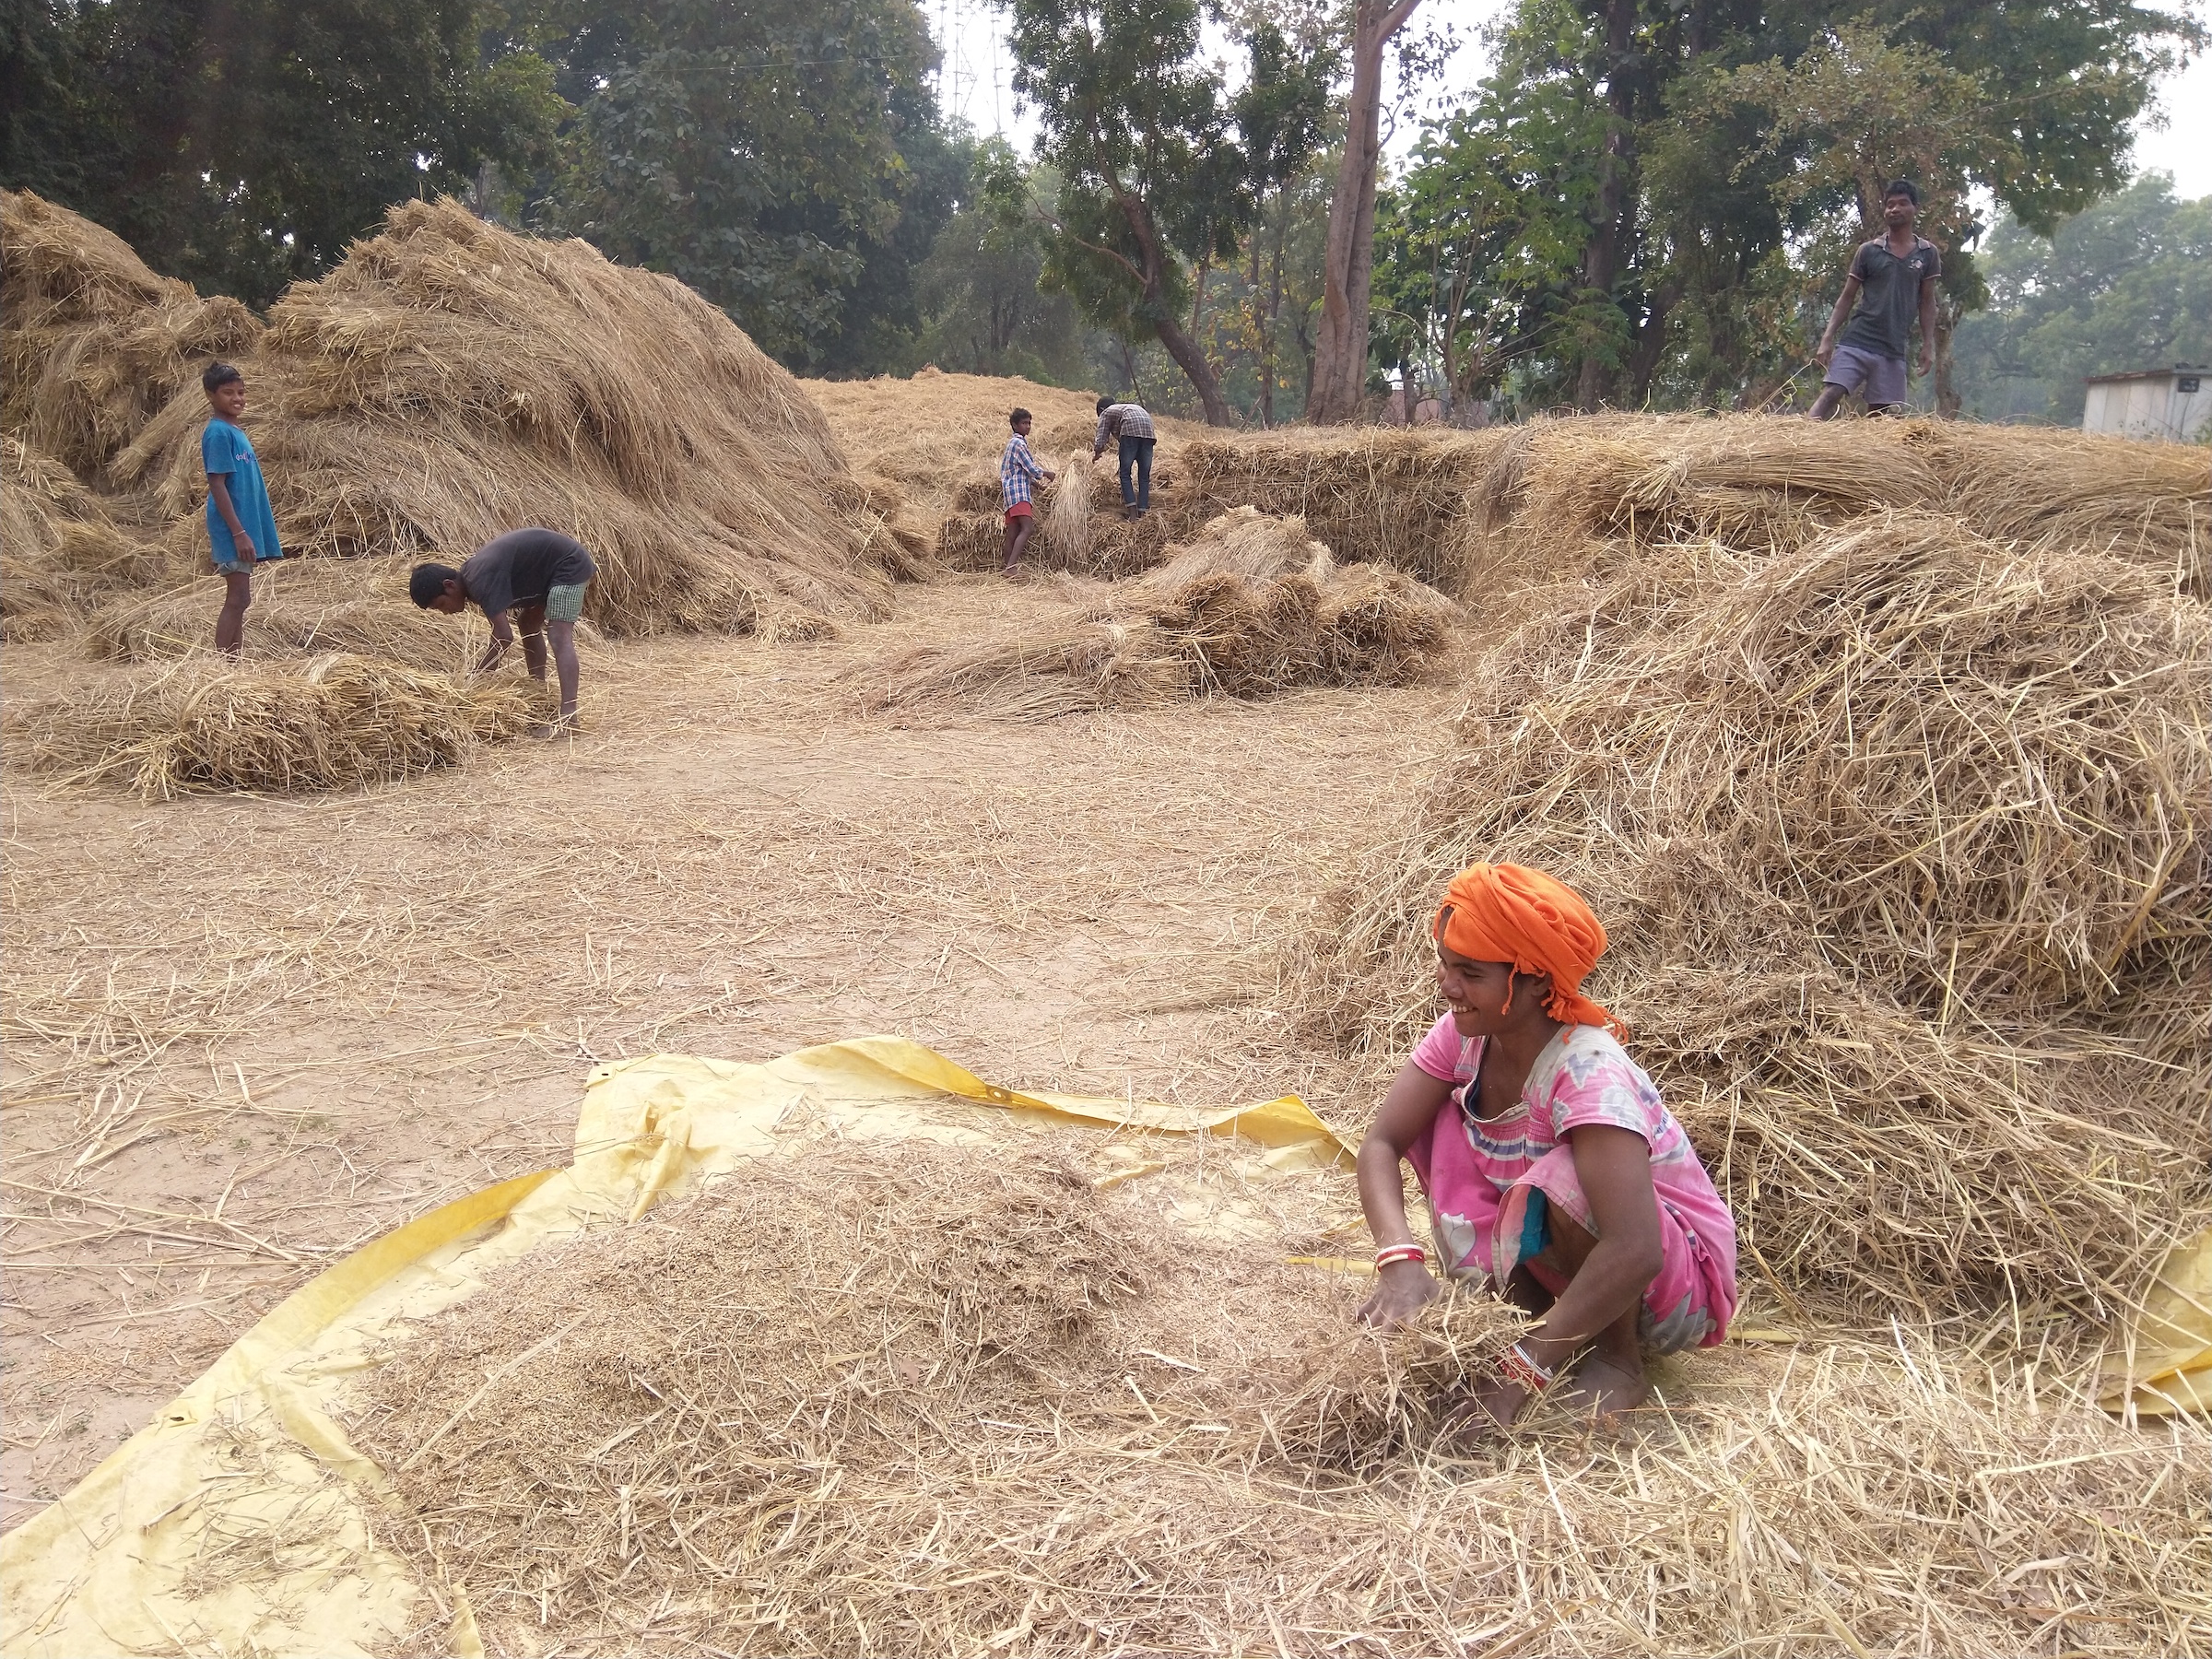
column 977, row 73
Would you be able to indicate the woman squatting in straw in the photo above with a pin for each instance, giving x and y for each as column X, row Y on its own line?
column 1553, row 1171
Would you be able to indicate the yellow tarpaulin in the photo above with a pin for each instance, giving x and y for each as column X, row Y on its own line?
column 2164, row 1362
column 242, row 1521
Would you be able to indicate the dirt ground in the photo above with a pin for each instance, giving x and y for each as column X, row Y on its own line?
column 245, row 1035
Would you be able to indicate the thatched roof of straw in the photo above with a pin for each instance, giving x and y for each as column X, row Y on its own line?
column 1897, row 835
column 92, row 343
column 920, row 1398
column 450, row 379
column 334, row 722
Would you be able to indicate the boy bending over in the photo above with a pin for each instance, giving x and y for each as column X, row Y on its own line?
column 539, row 575
column 1553, row 1171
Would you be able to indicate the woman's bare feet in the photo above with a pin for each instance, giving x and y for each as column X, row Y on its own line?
column 1605, row 1386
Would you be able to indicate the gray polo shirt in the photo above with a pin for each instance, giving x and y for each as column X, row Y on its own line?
column 1889, row 300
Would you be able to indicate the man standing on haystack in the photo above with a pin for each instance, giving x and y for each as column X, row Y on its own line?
column 1891, row 279
column 1124, row 418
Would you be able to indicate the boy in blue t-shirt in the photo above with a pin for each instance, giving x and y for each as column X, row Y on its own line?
column 242, row 527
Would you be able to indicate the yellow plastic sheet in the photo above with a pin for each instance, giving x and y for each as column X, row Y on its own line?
column 242, row 1521
column 2164, row 1362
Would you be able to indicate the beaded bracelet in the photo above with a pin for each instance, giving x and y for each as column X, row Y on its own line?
column 1399, row 1253
column 1515, row 1365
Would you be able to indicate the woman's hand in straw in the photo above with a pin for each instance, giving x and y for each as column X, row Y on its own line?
column 1402, row 1289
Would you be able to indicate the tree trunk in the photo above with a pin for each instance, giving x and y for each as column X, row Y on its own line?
column 1191, row 361
column 1180, row 347
column 1340, row 353
column 1947, row 400
column 1601, row 259
column 1650, row 341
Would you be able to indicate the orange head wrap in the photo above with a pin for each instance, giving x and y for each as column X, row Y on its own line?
column 1506, row 914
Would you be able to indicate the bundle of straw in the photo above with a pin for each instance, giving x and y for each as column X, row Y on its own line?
column 1894, row 836
column 920, row 1398
column 1067, row 515
column 336, row 721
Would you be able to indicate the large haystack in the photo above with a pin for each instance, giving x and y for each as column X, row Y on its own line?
column 1250, row 606
column 450, row 379
column 92, row 343
column 1899, row 835
column 912, row 1397
column 334, row 721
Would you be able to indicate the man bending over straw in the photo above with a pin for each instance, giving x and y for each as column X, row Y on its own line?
column 1554, row 1173
column 1018, row 471
column 1125, row 423
column 539, row 575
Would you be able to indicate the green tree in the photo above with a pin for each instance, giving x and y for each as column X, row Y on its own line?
column 986, row 314
column 767, row 155
column 242, row 146
column 1479, row 243
column 2126, row 284
column 1153, row 177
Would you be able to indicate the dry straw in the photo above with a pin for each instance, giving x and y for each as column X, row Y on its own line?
column 1900, row 839
column 60, row 551
column 931, row 1398
column 336, row 721
column 302, row 607
column 93, row 343
column 450, row 379
column 1250, row 607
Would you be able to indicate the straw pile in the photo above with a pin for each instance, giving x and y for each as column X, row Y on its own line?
column 932, row 434
column 94, row 344
column 337, row 722
column 450, row 379
column 1899, row 837
column 60, row 551
column 302, row 607
column 1253, row 606
column 928, row 1398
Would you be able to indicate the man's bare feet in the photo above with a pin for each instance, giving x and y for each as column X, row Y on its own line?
column 1604, row 1388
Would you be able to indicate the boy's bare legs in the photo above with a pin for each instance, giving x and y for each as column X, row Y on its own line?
column 530, row 622
column 1824, row 406
column 230, row 622
column 1017, row 537
column 563, row 636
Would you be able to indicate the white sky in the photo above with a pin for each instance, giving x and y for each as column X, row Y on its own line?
column 977, row 73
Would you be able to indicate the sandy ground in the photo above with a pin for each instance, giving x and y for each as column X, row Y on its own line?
column 245, row 1035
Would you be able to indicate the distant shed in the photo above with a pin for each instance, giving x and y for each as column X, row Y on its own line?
column 2174, row 404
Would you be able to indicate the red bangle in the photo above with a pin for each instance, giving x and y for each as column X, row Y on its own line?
column 1515, row 1365
column 1399, row 1253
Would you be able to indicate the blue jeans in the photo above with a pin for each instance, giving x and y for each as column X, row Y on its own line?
column 1137, row 453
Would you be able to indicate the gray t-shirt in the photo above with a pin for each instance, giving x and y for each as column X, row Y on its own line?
column 521, row 567
column 1890, row 297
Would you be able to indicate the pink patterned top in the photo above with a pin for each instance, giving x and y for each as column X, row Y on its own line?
column 1582, row 1076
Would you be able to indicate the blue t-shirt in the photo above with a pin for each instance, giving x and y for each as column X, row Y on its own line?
column 224, row 449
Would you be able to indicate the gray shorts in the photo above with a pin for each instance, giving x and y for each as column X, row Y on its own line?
column 1882, row 377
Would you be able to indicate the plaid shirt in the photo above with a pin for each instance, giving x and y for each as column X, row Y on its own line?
column 1122, row 420
column 1017, row 470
